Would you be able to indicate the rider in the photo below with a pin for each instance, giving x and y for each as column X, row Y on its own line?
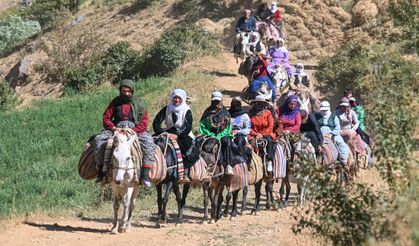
column 126, row 111
column 359, row 111
column 178, row 119
column 241, row 127
column 254, row 49
column 330, row 127
column 349, row 123
column 311, row 130
column 256, row 84
column 263, row 13
column 263, row 123
column 216, row 122
column 246, row 23
column 277, row 17
column 300, row 76
column 289, row 115
column 279, row 54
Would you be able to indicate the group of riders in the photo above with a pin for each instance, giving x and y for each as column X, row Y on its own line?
column 237, row 129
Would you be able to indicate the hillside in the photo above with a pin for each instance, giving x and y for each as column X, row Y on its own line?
column 313, row 29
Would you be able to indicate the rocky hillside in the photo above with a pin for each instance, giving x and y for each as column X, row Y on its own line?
column 314, row 28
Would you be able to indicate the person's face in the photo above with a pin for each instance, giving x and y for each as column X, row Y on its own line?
column 217, row 104
column 247, row 14
column 299, row 68
column 345, row 108
column 292, row 105
column 280, row 44
column 126, row 91
column 177, row 101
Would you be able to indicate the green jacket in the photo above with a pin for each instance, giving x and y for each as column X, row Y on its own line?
column 216, row 125
column 359, row 110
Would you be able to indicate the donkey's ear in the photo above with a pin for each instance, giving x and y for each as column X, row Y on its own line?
column 132, row 139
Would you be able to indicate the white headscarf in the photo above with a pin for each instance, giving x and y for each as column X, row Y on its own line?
column 300, row 72
column 274, row 7
column 283, row 48
column 254, row 34
column 179, row 111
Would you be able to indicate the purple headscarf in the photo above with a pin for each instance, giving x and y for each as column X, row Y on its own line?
column 286, row 112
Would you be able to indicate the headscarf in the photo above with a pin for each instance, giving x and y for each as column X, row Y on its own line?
column 274, row 7
column 137, row 106
column 300, row 72
column 286, row 112
column 179, row 111
column 259, row 108
column 254, row 34
column 283, row 48
column 236, row 108
column 325, row 109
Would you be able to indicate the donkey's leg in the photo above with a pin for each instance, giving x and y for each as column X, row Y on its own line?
column 214, row 202
column 226, row 208
column 116, row 204
column 159, row 203
column 271, row 194
column 206, row 198
column 268, row 194
column 234, row 209
column 169, row 187
column 219, row 200
column 127, row 204
column 288, row 189
column 178, row 196
column 258, row 188
column 244, row 203
column 183, row 201
column 132, row 206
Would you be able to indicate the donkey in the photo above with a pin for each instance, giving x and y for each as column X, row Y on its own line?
column 123, row 180
column 240, row 46
column 171, row 182
column 303, row 154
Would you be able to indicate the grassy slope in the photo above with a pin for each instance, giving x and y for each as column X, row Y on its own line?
column 40, row 146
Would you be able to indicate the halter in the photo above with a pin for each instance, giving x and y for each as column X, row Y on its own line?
column 217, row 158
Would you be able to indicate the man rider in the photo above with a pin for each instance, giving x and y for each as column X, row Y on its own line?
column 246, row 23
column 126, row 111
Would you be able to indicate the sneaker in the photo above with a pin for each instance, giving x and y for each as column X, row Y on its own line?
column 269, row 166
column 185, row 180
column 100, row 177
column 146, row 183
column 145, row 177
column 229, row 170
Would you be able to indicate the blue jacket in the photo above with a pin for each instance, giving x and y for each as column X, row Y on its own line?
column 244, row 25
column 257, row 83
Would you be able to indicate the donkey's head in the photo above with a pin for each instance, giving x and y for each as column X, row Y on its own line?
column 122, row 161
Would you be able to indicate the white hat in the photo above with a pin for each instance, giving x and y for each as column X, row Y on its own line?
column 325, row 105
column 216, row 95
column 262, row 98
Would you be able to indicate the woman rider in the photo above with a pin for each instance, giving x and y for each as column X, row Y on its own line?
column 216, row 122
column 178, row 120
column 349, row 123
column 240, row 121
column 289, row 115
column 279, row 54
column 263, row 123
column 311, row 130
column 359, row 111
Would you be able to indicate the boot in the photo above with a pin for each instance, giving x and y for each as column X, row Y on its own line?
column 145, row 176
column 185, row 178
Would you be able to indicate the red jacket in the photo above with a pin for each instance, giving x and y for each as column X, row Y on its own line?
column 290, row 125
column 277, row 17
column 109, row 116
column 263, row 123
column 261, row 65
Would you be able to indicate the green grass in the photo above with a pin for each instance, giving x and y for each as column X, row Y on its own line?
column 40, row 146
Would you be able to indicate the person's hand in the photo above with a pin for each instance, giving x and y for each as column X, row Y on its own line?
column 172, row 136
column 259, row 136
column 117, row 129
column 287, row 131
column 235, row 132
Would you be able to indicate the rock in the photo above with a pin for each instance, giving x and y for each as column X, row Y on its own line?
column 20, row 72
column 80, row 18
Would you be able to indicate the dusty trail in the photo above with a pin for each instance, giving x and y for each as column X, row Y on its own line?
column 268, row 228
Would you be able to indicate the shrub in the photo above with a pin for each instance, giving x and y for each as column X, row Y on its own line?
column 120, row 61
column 84, row 78
column 15, row 31
column 174, row 47
column 8, row 98
column 45, row 11
column 146, row 3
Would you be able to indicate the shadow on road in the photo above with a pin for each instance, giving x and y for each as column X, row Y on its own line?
column 65, row 228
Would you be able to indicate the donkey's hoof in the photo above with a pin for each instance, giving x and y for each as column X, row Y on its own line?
column 122, row 230
column 205, row 222
column 233, row 218
column 274, row 206
column 178, row 224
column 212, row 221
column 225, row 214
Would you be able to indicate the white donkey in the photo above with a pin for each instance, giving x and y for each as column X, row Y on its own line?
column 124, row 183
column 240, row 46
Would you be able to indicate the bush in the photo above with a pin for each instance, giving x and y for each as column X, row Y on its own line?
column 146, row 3
column 15, row 31
column 8, row 98
column 120, row 61
column 84, row 78
column 45, row 11
column 174, row 47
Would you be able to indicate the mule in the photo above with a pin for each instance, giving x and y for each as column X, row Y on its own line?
column 124, row 183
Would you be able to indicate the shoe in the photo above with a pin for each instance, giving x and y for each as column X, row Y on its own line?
column 269, row 167
column 100, row 177
column 145, row 177
column 229, row 170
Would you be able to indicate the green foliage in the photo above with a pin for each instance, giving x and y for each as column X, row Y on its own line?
column 405, row 14
column 343, row 215
column 121, row 61
column 8, row 98
column 146, row 3
column 174, row 47
column 15, row 31
column 84, row 78
column 45, row 11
